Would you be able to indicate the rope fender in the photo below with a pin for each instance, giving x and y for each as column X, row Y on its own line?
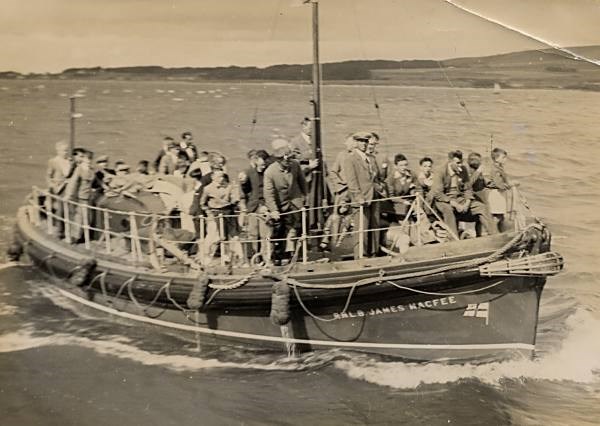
column 280, row 303
column 15, row 249
column 195, row 299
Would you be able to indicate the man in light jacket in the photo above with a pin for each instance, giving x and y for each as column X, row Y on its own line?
column 285, row 192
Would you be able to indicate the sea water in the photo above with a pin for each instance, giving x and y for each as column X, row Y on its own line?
column 62, row 364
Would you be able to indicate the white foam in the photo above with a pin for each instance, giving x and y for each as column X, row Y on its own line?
column 578, row 360
column 118, row 347
column 200, row 92
column 178, row 99
column 8, row 265
column 8, row 310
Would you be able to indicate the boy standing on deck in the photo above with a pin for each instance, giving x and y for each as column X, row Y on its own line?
column 220, row 200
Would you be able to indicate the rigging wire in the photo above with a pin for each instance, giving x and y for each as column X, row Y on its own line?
column 557, row 49
column 270, row 33
column 371, row 87
column 572, row 55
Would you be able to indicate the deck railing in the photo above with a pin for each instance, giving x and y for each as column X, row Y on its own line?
column 72, row 218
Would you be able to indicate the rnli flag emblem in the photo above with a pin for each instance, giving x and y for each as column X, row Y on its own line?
column 478, row 310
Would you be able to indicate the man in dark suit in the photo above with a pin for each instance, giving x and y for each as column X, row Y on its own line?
column 364, row 186
column 452, row 193
column 302, row 149
column 251, row 185
column 285, row 192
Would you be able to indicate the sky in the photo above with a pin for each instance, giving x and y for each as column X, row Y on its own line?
column 52, row 35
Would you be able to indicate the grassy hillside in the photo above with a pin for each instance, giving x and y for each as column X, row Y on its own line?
column 528, row 69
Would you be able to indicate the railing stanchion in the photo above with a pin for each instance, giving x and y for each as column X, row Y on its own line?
column 106, row 227
column 49, row 218
column 361, row 228
column 201, row 243
column 304, row 237
column 133, row 236
column 86, row 225
column 37, row 220
column 67, row 224
column 268, row 251
column 418, row 208
column 222, row 238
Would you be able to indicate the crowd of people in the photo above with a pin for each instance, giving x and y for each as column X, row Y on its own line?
column 266, row 199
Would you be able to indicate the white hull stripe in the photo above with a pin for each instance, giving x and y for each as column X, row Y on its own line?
column 284, row 340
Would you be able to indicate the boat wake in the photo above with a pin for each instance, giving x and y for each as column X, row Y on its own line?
column 566, row 333
column 582, row 343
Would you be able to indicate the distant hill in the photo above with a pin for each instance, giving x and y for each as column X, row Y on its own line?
column 546, row 68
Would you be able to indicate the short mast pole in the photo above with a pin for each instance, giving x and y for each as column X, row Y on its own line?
column 72, row 117
column 318, row 190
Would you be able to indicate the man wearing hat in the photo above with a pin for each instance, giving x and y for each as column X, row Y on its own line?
column 363, row 179
column 285, row 191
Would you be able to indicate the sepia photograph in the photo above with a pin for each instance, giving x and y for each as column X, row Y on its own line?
column 296, row 212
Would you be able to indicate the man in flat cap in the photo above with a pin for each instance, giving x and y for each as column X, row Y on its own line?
column 363, row 179
column 285, row 190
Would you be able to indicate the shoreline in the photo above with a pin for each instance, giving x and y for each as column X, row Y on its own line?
column 433, row 84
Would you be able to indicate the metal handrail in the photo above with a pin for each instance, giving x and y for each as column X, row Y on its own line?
column 418, row 204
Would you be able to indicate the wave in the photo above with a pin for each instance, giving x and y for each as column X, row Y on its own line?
column 117, row 346
column 582, row 344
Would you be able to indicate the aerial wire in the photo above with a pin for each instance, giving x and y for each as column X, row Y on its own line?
column 376, row 105
column 270, row 33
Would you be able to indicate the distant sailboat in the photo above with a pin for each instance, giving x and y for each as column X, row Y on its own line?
column 496, row 88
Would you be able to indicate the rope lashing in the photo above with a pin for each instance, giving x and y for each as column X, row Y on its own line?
column 81, row 273
column 143, row 308
column 173, row 301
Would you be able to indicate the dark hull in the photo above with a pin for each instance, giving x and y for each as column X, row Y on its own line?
column 452, row 315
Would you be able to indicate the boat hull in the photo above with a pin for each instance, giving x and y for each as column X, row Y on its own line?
column 454, row 316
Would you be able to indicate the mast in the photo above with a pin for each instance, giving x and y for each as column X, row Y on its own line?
column 73, row 115
column 318, row 189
